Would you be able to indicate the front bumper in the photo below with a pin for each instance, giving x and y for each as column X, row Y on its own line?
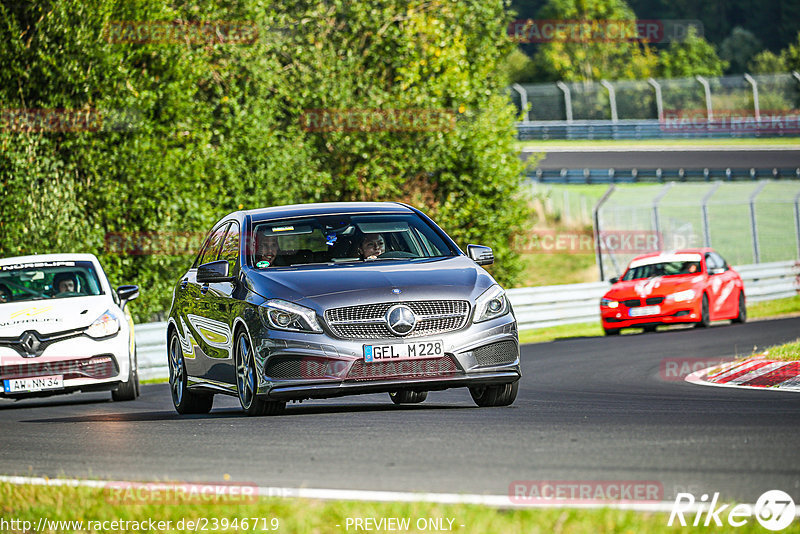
column 84, row 363
column 669, row 313
column 295, row 366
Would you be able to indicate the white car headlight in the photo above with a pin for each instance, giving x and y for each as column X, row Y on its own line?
column 682, row 296
column 492, row 303
column 608, row 303
column 104, row 326
column 284, row 315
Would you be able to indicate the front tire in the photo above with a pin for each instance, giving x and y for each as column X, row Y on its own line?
column 251, row 403
column 185, row 401
column 408, row 397
column 705, row 316
column 611, row 331
column 129, row 390
column 742, row 317
column 500, row 395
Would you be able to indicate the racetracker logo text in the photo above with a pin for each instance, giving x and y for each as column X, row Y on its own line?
column 584, row 491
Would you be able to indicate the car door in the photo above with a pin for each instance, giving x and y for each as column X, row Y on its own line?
column 198, row 337
column 720, row 286
column 220, row 311
column 728, row 295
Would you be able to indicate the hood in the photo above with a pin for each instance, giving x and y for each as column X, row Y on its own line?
column 659, row 286
column 322, row 287
column 48, row 316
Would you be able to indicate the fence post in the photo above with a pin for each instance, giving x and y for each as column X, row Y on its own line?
column 567, row 99
column 656, row 219
column 753, row 227
column 523, row 99
column 659, row 101
column 597, row 237
column 704, row 207
column 756, row 107
column 612, row 99
column 797, row 222
column 707, row 89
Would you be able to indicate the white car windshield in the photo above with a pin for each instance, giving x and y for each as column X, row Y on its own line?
column 48, row 280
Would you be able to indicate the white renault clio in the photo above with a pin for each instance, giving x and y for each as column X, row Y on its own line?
column 64, row 329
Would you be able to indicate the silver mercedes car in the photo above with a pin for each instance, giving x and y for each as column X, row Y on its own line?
column 325, row 300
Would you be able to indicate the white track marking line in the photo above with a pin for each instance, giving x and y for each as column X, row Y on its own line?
column 496, row 501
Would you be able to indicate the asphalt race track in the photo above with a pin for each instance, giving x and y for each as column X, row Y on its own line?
column 672, row 158
column 588, row 409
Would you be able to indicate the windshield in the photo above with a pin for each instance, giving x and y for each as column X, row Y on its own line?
column 48, row 280
column 344, row 239
column 668, row 268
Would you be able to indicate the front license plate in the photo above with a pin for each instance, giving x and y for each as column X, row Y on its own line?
column 644, row 310
column 403, row 351
column 28, row 385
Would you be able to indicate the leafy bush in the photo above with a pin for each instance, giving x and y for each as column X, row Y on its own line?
column 195, row 129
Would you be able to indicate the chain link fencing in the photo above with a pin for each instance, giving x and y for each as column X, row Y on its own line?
column 746, row 222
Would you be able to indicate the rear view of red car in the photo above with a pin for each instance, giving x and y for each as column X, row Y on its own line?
column 685, row 286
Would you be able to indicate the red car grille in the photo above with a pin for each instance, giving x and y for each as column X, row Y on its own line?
column 95, row 367
column 434, row 368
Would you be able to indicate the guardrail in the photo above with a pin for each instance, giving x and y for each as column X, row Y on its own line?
column 646, row 129
column 659, row 175
column 151, row 349
column 535, row 307
column 540, row 307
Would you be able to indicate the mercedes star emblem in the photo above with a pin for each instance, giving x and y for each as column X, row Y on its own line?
column 400, row 320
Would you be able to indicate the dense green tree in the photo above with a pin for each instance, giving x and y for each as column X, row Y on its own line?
column 692, row 56
column 193, row 128
column 739, row 48
column 595, row 58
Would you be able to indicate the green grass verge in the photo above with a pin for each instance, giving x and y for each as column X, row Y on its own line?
column 756, row 310
column 580, row 143
column 154, row 381
column 787, row 351
column 554, row 269
column 30, row 503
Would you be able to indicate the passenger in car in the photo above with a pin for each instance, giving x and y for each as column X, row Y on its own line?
column 5, row 293
column 372, row 246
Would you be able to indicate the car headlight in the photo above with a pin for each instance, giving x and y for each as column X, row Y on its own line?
column 608, row 303
column 492, row 303
column 104, row 326
column 284, row 315
column 682, row 296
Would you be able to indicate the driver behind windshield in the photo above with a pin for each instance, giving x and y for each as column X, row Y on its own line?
column 372, row 246
column 5, row 293
column 266, row 250
column 65, row 283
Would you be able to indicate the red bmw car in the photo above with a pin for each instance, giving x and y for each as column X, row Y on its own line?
column 685, row 286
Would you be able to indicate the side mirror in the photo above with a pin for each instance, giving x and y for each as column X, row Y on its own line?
column 717, row 270
column 213, row 271
column 127, row 294
column 614, row 280
column 480, row 254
